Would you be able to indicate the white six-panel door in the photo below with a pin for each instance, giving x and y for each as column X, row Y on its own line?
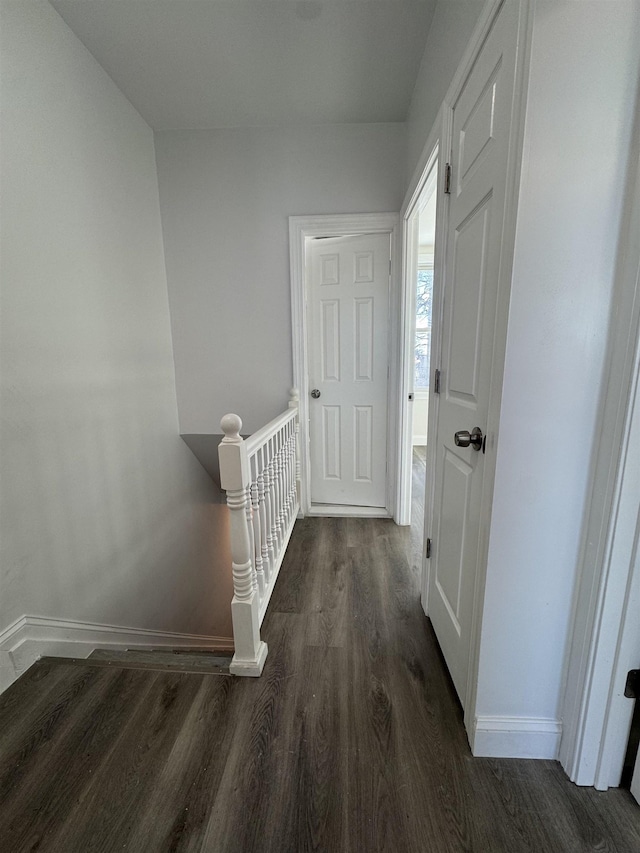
column 481, row 126
column 347, row 317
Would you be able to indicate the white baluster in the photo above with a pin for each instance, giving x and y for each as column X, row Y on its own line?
column 262, row 511
column 294, row 403
column 268, row 493
column 277, row 491
column 250, row 650
column 273, row 494
column 252, row 544
column 292, row 466
column 257, row 535
column 289, row 471
column 283, row 496
column 286, row 498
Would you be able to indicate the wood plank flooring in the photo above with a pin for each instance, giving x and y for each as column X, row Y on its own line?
column 352, row 740
column 178, row 661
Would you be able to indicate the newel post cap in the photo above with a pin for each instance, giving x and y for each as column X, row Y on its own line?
column 232, row 455
column 294, row 397
column 231, row 425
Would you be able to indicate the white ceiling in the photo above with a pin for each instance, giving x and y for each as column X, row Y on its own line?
column 239, row 63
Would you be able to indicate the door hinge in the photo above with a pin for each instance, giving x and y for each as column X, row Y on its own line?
column 428, row 554
column 632, row 691
column 632, row 687
column 436, row 382
column 389, row 266
column 447, row 179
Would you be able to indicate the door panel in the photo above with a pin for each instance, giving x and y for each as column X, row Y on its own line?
column 456, row 489
column 363, row 267
column 468, row 286
column 331, row 444
column 363, row 440
column 329, row 269
column 477, row 133
column 479, row 151
column 330, row 340
column 347, row 311
column 364, row 339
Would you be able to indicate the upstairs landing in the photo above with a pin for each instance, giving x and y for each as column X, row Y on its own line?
column 351, row 741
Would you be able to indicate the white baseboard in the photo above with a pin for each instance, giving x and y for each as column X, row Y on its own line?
column 33, row 637
column 516, row 737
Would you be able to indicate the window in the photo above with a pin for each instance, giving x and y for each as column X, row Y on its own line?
column 424, row 296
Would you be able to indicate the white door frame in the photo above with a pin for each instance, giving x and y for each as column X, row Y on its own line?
column 595, row 715
column 333, row 225
column 431, row 159
column 433, row 155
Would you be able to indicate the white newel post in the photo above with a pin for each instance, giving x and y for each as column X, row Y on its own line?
column 250, row 651
column 294, row 403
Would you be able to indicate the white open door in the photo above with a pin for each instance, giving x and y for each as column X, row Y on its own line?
column 347, row 321
column 481, row 124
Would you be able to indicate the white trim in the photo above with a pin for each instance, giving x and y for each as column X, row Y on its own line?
column 593, row 709
column 516, row 737
column 33, row 637
column 301, row 227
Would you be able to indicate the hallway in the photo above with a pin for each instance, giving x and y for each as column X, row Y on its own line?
column 351, row 742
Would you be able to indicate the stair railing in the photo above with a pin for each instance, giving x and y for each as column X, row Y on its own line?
column 261, row 476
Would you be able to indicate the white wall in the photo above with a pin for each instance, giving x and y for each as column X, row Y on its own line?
column 451, row 27
column 106, row 515
column 579, row 118
column 226, row 197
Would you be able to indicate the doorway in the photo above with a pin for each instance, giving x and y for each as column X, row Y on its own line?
column 344, row 274
column 422, row 328
column 417, row 356
column 347, row 297
column 423, row 322
column 422, row 274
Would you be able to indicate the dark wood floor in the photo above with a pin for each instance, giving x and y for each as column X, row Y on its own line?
column 351, row 741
